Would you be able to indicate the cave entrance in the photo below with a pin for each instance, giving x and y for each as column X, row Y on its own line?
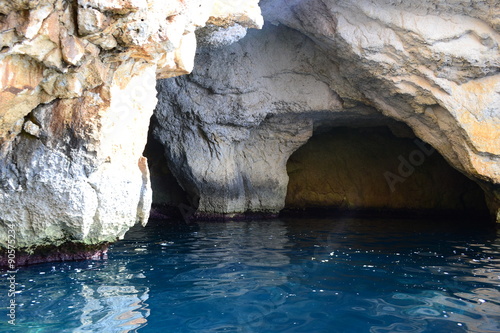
column 168, row 195
column 378, row 170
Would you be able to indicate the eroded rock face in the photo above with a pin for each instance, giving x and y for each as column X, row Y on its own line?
column 77, row 92
column 213, row 125
column 230, row 127
column 79, row 173
column 431, row 65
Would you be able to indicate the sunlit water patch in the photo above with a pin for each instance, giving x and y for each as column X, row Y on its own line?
column 304, row 275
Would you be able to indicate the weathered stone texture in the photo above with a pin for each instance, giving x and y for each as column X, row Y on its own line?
column 77, row 88
column 432, row 65
column 228, row 132
column 77, row 92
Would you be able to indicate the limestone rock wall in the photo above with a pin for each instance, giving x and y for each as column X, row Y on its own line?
column 229, row 128
column 77, row 91
column 432, row 65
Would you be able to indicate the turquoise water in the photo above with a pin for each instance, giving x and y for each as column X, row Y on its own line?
column 287, row 275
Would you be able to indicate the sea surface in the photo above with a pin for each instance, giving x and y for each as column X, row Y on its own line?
column 342, row 274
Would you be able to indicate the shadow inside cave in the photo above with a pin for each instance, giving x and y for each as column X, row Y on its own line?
column 377, row 171
column 368, row 171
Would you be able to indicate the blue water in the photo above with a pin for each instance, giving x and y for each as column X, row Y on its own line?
column 288, row 275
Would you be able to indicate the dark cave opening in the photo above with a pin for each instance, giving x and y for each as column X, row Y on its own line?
column 378, row 170
column 168, row 196
column 382, row 170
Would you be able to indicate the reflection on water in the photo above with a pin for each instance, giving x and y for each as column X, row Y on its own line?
column 87, row 296
column 291, row 275
column 417, row 313
column 122, row 307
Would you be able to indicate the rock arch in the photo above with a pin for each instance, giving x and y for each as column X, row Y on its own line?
column 230, row 126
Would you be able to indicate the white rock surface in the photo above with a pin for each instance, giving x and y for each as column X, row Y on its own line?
column 87, row 187
column 77, row 91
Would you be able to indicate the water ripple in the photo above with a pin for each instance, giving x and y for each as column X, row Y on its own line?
column 347, row 275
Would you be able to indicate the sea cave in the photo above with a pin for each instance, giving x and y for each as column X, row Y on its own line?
column 249, row 166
